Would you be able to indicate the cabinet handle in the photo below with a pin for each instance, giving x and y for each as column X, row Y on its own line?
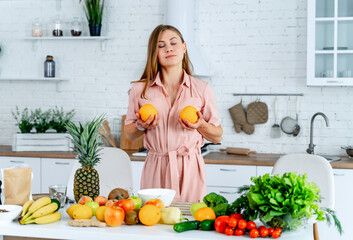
column 13, row 161
column 62, row 163
column 223, row 192
column 338, row 174
column 227, row 170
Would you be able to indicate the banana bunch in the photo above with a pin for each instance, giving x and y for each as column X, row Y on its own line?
column 41, row 211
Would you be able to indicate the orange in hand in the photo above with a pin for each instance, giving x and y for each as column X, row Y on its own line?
column 189, row 113
column 204, row 213
column 146, row 111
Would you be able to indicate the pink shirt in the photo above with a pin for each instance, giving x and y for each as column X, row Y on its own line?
column 174, row 159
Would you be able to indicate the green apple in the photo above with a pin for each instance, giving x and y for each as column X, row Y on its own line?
column 93, row 205
column 137, row 201
column 196, row 206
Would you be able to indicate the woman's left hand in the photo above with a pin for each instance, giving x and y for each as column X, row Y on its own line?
column 191, row 127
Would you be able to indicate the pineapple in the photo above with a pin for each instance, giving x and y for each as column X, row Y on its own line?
column 87, row 145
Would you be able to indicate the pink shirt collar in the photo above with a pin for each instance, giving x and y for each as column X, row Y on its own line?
column 186, row 80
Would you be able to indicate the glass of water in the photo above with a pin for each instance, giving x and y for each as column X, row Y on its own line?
column 58, row 192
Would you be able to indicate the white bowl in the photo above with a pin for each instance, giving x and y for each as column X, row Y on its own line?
column 164, row 194
column 13, row 212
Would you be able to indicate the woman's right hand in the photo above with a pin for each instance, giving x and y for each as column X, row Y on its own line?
column 148, row 124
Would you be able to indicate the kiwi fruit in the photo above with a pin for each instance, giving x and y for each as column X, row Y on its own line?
column 131, row 218
column 118, row 193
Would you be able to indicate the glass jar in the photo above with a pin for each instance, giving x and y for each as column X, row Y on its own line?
column 37, row 30
column 57, row 27
column 49, row 67
column 76, row 27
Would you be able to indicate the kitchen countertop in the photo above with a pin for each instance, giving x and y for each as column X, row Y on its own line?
column 61, row 230
column 259, row 159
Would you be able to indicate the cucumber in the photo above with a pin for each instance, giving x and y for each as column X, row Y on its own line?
column 186, row 226
column 207, row 225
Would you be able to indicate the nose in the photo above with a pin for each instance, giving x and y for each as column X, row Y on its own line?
column 169, row 48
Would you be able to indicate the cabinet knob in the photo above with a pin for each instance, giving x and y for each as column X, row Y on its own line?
column 62, row 163
column 227, row 170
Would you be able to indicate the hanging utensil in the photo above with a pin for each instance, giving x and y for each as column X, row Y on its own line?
column 297, row 127
column 288, row 124
column 275, row 129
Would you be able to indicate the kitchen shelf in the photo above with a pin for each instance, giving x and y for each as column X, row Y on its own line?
column 103, row 40
column 56, row 80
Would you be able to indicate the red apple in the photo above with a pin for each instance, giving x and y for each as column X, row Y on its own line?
column 101, row 200
column 114, row 216
column 156, row 202
column 111, row 203
column 84, row 199
column 126, row 204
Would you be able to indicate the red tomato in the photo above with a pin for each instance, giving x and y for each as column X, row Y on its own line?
column 261, row 227
column 232, row 222
column 254, row 233
column 276, row 233
column 238, row 232
column 250, row 225
column 263, row 232
column 242, row 224
column 279, row 229
column 270, row 231
column 237, row 216
column 229, row 231
column 221, row 223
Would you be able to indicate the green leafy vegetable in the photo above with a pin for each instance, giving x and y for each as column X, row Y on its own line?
column 218, row 203
column 281, row 201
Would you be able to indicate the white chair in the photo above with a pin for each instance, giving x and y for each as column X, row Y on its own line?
column 317, row 169
column 114, row 171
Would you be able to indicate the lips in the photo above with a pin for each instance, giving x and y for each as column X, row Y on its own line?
column 170, row 56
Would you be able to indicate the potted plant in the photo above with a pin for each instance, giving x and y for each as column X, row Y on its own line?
column 94, row 14
column 24, row 120
column 41, row 120
column 86, row 145
column 59, row 119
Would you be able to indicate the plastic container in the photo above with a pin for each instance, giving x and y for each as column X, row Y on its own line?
column 49, row 67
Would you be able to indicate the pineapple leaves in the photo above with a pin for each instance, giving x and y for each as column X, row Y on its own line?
column 86, row 141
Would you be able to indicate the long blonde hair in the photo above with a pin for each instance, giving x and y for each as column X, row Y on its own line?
column 152, row 65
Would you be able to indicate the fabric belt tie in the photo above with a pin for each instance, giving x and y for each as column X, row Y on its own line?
column 173, row 180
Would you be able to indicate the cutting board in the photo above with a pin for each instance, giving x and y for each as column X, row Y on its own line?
column 125, row 143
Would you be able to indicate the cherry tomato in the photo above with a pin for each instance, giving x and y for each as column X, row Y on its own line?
column 279, row 229
column 221, row 223
column 276, row 233
column 261, row 227
column 254, row 233
column 250, row 225
column 238, row 232
column 237, row 216
column 229, row 231
column 232, row 222
column 270, row 231
column 242, row 224
column 263, row 232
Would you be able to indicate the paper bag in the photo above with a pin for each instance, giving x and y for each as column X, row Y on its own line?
column 17, row 185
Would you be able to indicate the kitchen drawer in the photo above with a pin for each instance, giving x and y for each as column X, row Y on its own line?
column 229, row 175
column 55, row 171
column 262, row 170
column 33, row 163
column 230, row 193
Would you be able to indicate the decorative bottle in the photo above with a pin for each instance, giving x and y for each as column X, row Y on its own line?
column 37, row 30
column 76, row 29
column 49, row 67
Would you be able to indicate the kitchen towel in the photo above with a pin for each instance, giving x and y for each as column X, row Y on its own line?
column 257, row 113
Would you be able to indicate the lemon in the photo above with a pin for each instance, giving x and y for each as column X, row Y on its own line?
column 71, row 209
column 82, row 212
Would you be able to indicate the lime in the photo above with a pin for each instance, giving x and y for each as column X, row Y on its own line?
column 57, row 202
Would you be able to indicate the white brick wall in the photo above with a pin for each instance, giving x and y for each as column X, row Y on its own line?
column 251, row 46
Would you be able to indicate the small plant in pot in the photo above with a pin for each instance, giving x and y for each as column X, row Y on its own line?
column 94, row 14
column 41, row 120
column 60, row 119
column 24, row 120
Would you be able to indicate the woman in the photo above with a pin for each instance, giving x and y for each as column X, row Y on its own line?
column 174, row 158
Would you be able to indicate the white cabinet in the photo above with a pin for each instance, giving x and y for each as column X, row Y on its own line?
column 330, row 43
column 262, row 170
column 226, row 179
column 55, row 171
column 136, row 174
column 343, row 206
column 33, row 163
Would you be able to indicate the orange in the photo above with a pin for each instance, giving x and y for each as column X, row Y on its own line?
column 204, row 213
column 189, row 113
column 149, row 215
column 146, row 111
column 100, row 213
